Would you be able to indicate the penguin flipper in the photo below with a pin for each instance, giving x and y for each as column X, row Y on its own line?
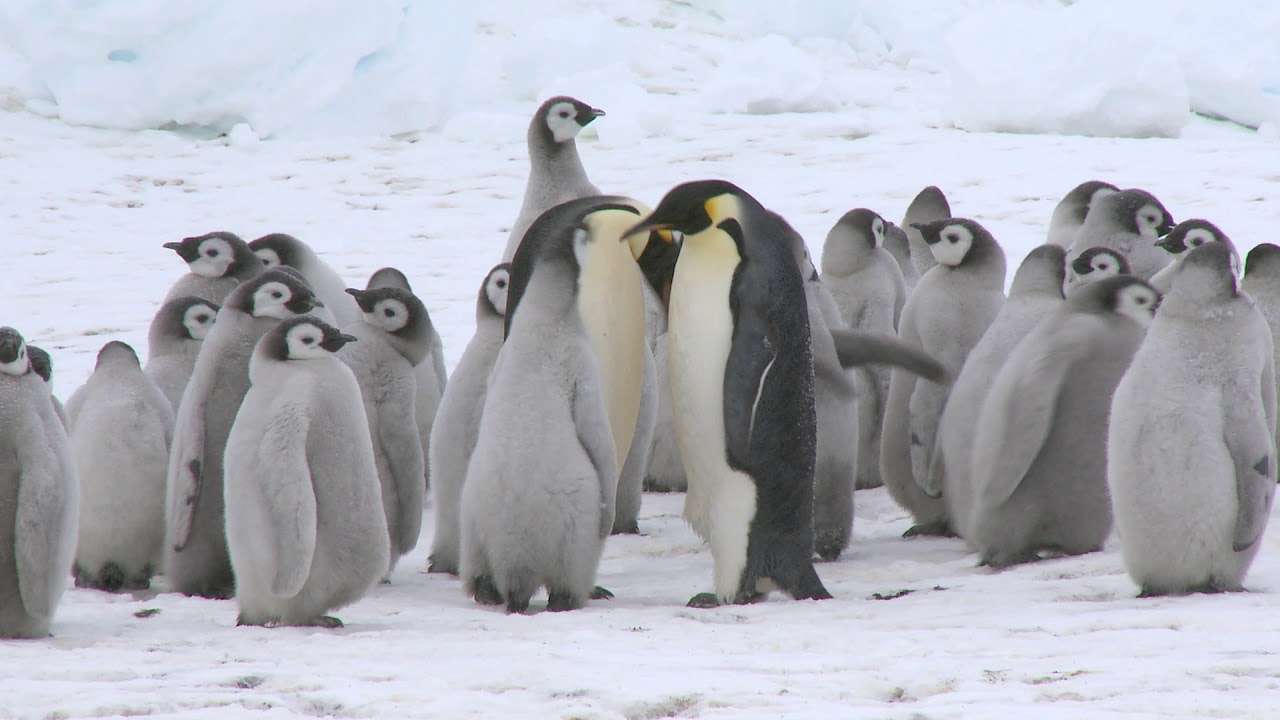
column 186, row 460
column 41, row 517
column 401, row 445
column 594, row 433
column 864, row 347
column 291, row 509
column 1250, row 440
column 1017, row 415
column 437, row 361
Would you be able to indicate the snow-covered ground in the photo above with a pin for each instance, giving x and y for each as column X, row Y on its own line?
column 83, row 213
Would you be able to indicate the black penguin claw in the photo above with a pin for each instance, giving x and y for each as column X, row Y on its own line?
column 703, row 601
column 599, row 593
column 934, row 529
column 327, row 621
column 485, row 592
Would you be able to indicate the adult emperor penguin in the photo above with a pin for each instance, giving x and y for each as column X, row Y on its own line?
column 946, row 315
column 1130, row 221
column 1039, row 453
column 1094, row 264
column 453, row 437
column 1071, row 211
column 1182, row 239
column 305, row 525
column 196, row 561
column 611, row 303
column 42, row 365
column 278, row 249
column 556, row 174
column 929, row 205
column 121, row 431
column 218, row 263
column 1191, row 460
column 174, row 339
column 1262, row 282
column 866, row 283
column 538, row 500
column 1035, row 293
column 395, row 337
column 39, row 497
column 430, row 374
column 665, row 469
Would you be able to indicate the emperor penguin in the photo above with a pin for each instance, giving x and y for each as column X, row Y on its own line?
column 538, row 501
column 929, row 205
column 611, row 303
column 556, row 174
column 121, row 431
column 946, row 315
column 453, row 436
column 1071, row 211
column 278, row 249
column 218, row 263
column 1094, row 264
column 196, row 560
column 1182, row 239
column 394, row 338
column 897, row 245
column 430, row 374
column 1262, row 282
column 305, row 526
column 1130, row 221
column 665, row 469
column 39, row 497
column 173, row 341
column 1039, row 453
column 1036, row 292
column 1191, row 442
column 867, row 285
column 42, row 365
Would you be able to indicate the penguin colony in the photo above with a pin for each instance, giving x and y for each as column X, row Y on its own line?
column 279, row 444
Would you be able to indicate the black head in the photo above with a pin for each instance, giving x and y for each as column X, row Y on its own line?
column 41, row 362
column 1207, row 270
column 1190, row 234
column 955, row 241
column 13, row 352
column 1082, row 196
column 216, row 254
column 1102, row 260
column 867, row 225
column 388, row 277
column 187, row 317
column 1126, row 295
column 1137, row 211
column 279, row 249
column 1262, row 259
column 117, row 352
column 691, row 207
column 395, row 311
column 303, row 338
column 1043, row 270
column 278, row 293
column 561, row 118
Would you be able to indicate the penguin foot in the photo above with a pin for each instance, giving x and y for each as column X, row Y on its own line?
column 829, row 544
column 436, row 565
column 939, row 528
column 518, row 605
column 750, row 598
column 485, row 591
column 703, row 601
column 385, row 581
column 243, row 620
column 563, row 601
column 632, row 529
column 328, row 622
column 1000, row 562
column 809, row 587
column 655, row 485
column 599, row 593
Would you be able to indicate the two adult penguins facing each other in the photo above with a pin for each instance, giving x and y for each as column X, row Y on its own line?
column 742, row 386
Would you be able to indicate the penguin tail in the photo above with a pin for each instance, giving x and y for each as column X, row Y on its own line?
column 860, row 347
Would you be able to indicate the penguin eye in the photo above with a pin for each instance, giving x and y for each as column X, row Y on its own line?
column 1197, row 242
column 211, row 253
column 308, row 340
column 501, row 284
column 276, row 294
column 388, row 312
column 951, row 238
column 564, row 114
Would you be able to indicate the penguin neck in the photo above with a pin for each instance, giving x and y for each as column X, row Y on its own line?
column 550, row 299
column 556, row 174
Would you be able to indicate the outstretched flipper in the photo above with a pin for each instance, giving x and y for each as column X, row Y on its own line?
column 862, row 347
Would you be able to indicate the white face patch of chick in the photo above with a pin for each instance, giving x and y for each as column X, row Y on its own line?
column 213, row 258
column 1197, row 237
column 390, row 315
column 1104, row 266
column 198, row 319
column 1149, row 219
column 877, row 231
column 496, row 290
column 270, row 258
column 303, row 342
column 953, row 245
column 562, row 120
column 19, row 365
column 270, row 301
column 1139, row 303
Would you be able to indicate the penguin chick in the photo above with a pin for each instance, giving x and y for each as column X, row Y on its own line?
column 1073, row 209
column 121, row 431
column 453, row 437
column 866, row 283
column 305, row 525
column 556, row 174
column 946, row 315
column 1262, row 282
column 1129, row 221
column 1039, row 457
column 929, row 206
column 218, row 263
column 1094, row 264
column 1182, row 239
column 1191, row 443
column 173, row 342
column 279, row 249
column 39, row 497
column 42, row 365
column 1036, row 292
column 196, row 561
column 538, row 501
column 395, row 336
column 430, row 374
column 897, row 245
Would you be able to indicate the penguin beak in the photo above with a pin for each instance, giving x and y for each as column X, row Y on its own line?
column 361, row 297
column 187, row 251
column 334, row 342
column 586, row 115
column 174, row 246
column 1166, row 227
column 1169, row 244
column 663, row 231
column 300, row 304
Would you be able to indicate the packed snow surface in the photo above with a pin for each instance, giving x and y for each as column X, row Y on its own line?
column 83, row 214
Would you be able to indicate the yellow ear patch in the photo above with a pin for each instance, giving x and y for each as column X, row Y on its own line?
column 720, row 207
